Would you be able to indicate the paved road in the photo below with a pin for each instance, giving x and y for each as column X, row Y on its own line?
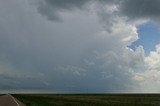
column 9, row 100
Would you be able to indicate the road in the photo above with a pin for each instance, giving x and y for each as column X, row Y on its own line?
column 9, row 100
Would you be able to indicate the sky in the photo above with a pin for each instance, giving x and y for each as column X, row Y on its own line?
column 80, row 46
column 152, row 31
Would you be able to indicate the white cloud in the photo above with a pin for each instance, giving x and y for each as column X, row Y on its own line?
column 153, row 60
column 149, row 79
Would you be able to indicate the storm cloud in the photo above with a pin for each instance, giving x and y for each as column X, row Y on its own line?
column 136, row 9
column 86, row 52
column 51, row 8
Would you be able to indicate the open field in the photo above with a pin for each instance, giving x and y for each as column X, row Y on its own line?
column 89, row 99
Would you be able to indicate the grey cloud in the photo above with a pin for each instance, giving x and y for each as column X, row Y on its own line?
column 38, row 55
column 141, row 8
column 133, row 9
column 51, row 8
column 77, row 55
column 136, row 9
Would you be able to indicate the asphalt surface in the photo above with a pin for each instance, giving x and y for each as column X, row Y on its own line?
column 9, row 100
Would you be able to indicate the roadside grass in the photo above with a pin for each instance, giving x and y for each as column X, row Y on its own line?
column 89, row 99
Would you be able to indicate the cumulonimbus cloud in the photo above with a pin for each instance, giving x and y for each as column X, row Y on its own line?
column 82, row 54
column 110, row 12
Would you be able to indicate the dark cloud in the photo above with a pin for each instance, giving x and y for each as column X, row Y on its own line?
column 77, row 55
column 73, row 56
column 133, row 9
column 51, row 8
column 136, row 9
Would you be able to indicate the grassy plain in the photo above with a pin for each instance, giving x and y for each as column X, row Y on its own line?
column 89, row 99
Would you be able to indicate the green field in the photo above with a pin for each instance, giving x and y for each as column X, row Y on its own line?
column 89, row 99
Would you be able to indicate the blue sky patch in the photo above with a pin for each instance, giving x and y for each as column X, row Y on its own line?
column 149, row 36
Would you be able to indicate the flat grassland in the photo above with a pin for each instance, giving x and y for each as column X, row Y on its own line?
column 89, row 99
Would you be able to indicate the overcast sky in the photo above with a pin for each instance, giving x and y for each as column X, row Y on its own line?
column 80, row 46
